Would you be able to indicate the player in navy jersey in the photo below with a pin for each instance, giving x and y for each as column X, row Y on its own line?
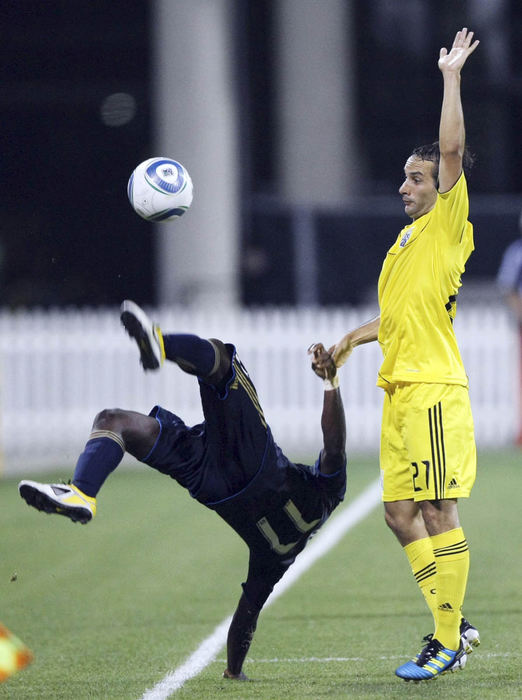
column 229, row 463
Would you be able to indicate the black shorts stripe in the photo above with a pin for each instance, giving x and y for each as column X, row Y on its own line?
column 442, row 449
column 433, row 455
column 438, row 451
column 437, row 438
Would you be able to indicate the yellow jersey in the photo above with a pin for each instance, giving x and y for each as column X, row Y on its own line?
column 418, row 287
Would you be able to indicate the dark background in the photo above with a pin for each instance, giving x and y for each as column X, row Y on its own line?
column 68, row 235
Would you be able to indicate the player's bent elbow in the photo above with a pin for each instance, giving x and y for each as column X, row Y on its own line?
column 332, row 461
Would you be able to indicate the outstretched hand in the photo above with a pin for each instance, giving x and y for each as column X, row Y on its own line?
column 453, row 61
column 322, row 361
column 342, row 350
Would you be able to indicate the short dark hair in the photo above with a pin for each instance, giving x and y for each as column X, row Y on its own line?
column 431, row 152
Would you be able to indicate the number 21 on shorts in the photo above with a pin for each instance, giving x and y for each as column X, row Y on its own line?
column 421, row 475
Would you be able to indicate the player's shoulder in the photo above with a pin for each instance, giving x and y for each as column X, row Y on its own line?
column 459, row 189
column 451, row 210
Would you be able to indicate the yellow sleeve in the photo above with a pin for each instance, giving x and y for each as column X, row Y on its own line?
column 453, row 209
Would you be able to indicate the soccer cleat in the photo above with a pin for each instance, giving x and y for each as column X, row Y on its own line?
column 459, row 662
column 147, row 335
column 469, row 635
column 433, row 661
column 64, row 499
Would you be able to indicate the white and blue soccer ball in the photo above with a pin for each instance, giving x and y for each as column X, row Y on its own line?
column 160, row 189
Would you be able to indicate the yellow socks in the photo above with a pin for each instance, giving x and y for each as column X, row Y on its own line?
column 452, row 560
column 440, row 565
column 422, row 562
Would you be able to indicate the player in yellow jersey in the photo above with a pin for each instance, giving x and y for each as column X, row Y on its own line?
column 428, row 458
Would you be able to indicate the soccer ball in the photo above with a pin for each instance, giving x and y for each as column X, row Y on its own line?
column 160, row 189
column 14, row 655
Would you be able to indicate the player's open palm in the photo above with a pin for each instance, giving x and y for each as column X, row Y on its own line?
column 461, row 49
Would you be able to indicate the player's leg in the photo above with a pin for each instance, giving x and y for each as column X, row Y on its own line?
column 198, row 356
column 113, row 433
column 403, row 516
column 436, row 435
column 235, row 427
column 452, row 560
column 453, row 469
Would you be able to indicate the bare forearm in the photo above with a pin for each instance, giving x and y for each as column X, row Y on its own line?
column 239, row 638
column 452, row 134
column 333, row 424
column 366, row 333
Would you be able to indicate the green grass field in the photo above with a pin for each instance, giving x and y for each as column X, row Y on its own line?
column 111, row 607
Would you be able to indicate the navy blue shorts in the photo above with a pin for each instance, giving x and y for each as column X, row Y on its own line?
column 219, row 457
column 231, row 464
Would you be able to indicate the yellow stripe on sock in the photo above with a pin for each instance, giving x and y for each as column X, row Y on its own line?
column 96, row 434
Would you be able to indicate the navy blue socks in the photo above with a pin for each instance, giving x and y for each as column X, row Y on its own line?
column 102, row 454
column 192, row 353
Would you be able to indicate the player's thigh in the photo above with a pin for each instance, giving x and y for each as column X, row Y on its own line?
column 394, row 458
column 437, row 429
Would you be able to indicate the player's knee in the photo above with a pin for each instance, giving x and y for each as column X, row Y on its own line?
column 440, row 516
column 403, row 523
column 113, row 419
column 223, row 362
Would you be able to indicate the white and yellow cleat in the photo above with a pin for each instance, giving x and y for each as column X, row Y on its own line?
column 146, row 334
column 470, row 636
column 63, row 499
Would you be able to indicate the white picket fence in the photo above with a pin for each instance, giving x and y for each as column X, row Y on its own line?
column 59, row 368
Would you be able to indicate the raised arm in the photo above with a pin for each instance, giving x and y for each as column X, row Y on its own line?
column 452, row 135
column 366, row 333
column 333, row 423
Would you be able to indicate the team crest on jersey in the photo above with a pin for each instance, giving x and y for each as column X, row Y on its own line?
column 406, row 237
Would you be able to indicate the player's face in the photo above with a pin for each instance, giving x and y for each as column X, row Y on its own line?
column 419, row 189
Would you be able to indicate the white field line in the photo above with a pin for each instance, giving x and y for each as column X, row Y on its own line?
column 346, row 659
column 328, row 537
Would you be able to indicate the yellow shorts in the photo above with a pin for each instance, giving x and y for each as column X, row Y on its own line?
column 427, row 443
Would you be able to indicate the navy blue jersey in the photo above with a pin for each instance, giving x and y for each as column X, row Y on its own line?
column 231, row 464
